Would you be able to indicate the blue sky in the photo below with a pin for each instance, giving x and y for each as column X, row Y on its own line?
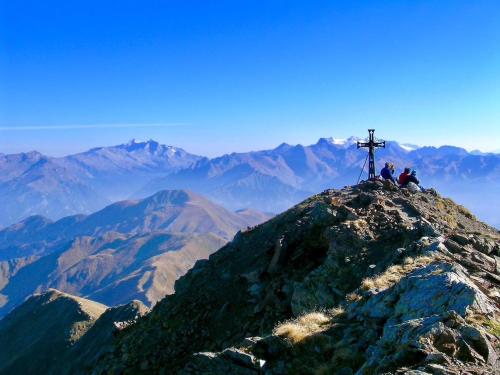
column 221, row 76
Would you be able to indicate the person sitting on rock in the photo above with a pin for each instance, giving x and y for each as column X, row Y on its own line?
column 387, row 172
column 403, row 177
column 413, row 182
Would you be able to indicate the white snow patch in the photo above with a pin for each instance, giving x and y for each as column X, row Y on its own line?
column 338, row 141
column 345, row 142
column 408, row 147
column 134, row 141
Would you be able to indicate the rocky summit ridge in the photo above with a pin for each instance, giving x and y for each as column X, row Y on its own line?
column 369, row 279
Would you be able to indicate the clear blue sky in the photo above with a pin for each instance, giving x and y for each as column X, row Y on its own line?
column 220, row 76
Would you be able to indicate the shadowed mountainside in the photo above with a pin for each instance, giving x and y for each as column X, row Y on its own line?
column 55, row 327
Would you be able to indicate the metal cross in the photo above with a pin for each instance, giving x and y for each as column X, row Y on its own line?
column 371, row 145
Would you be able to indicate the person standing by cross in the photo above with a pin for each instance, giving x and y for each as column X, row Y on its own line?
column 371, row 145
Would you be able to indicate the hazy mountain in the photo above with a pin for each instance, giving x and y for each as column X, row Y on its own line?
column 15, row 165
column 55, row 187
column 269, row 180
column 59, row 328
column 118, row 171
column 128, row 250
column 273, row 180
column 168, row 210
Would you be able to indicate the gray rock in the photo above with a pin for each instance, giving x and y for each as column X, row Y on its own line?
column 453, row 246
column 427, row 228
column 497, row 264
column 270, row 347
column 249, row 342
column 240, row 357
column 216, row 364
column 431, row 290
column 317, row 289
column 436, row 369
column 460, row 239
column 485, row 245
column 480, row 343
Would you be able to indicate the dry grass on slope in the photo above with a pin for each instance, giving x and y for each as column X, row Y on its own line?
column 490, row 324
column 395, row 273
column 299, row 329
column 318, row 345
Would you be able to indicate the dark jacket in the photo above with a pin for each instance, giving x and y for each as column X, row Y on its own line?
column 386, row 174
column 413, row 179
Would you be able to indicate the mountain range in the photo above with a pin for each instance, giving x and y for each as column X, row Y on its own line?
column 35, row 184
column 133, row 249
column 269, row 180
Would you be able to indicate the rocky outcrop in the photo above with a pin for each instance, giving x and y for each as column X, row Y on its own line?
column 97, row 341
column 57, row 333
column 365, row 280
column 229, row 361
column 425, row 323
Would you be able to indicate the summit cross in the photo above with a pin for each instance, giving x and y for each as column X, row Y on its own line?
column 371, row 145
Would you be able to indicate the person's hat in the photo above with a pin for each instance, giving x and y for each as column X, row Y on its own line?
column 407, row 170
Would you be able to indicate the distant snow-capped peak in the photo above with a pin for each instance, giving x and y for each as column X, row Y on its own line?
column 135, row 142
column 150, row 146
column 340, row 142
column 347, row 142
column 408, row 147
